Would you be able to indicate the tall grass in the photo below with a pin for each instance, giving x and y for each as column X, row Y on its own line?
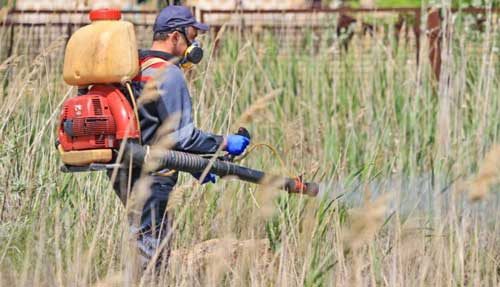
column 397, row 150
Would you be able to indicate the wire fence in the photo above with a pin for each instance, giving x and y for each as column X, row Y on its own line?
column 29, row 32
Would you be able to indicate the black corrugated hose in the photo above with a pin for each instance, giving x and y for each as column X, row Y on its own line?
column 194, row 163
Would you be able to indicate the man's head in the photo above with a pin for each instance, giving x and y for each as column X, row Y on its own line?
column 175, row 30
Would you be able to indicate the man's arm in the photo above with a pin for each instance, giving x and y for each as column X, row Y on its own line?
column 174, row 102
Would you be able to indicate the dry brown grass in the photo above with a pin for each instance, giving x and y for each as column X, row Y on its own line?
column 487, row 176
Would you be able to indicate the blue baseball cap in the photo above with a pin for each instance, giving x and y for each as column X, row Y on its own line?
column 173, row 17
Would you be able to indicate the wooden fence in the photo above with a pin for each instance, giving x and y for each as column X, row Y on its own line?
column 43, row 26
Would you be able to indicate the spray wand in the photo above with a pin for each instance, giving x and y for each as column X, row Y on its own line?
column 140, row 155
column 192, row 163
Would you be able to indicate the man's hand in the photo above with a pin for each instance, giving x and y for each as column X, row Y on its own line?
column 236, row 144
column 210, row 177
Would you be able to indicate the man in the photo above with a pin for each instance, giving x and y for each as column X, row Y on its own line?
column 175, row 30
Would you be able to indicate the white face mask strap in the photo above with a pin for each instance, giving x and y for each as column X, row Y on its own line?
column 146, row 157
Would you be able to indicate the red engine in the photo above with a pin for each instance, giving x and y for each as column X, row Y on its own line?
column 97, row 120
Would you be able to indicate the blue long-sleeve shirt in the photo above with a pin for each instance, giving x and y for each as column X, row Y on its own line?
column 172, row 102
column 169, row 97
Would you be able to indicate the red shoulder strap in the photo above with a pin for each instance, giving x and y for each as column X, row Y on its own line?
column 150, row 62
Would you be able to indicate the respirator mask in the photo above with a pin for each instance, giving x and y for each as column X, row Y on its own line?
column 193, row 54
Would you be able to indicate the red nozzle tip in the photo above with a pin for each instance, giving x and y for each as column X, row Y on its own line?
column 300, row 187
column 105, row 14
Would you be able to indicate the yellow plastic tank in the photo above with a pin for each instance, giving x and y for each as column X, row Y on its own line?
column 103, row 52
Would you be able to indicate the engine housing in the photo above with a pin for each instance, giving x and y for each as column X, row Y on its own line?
column 99, row 119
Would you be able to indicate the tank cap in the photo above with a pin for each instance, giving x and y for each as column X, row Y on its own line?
column 105, row 14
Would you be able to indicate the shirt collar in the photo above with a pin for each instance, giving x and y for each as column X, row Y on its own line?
column 153, row 53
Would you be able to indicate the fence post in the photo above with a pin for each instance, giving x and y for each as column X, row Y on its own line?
column 69, row 31
column 416, row 31
column 11, row 40
column 435, row 37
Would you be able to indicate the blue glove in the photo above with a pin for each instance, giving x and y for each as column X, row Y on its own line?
column 210, row 177
column 236, row 144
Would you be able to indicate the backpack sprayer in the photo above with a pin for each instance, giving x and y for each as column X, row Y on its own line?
column 95, row 125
